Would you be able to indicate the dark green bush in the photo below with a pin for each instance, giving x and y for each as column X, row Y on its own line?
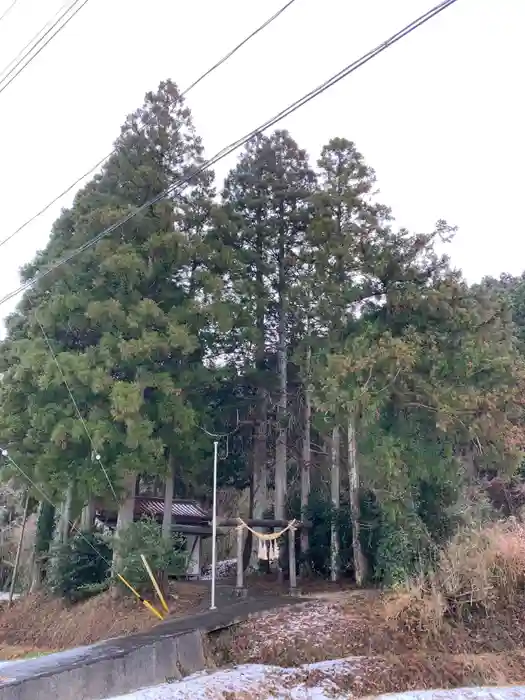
column 145, row 537
column 398, row 537
column 392, row 549
column 321, row 514
column 410, row 532
column 80, row 568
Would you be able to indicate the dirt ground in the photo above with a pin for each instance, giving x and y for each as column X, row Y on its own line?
column 336, row 622
column 342, row 623
column 41, row 623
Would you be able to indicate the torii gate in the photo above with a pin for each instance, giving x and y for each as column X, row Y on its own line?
column 287, row 526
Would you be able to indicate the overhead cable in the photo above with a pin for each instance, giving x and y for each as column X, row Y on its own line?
column 179, row 184
column 39, row 44
column 8, row 10
column 95, row 453
column 194, row 84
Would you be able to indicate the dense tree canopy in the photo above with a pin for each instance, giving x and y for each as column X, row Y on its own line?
column 287, row 306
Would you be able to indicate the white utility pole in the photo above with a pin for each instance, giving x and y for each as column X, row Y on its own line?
column 214, row 527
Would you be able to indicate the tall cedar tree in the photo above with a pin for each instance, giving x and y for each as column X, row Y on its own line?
column 384, row 299
column 294, row 303
column 333, row 286
column 266, row 202
column 124, row 318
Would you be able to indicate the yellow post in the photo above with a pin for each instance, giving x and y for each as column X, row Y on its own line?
column 154, row 582
column 146, row 603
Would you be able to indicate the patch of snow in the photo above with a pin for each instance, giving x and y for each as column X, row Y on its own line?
column 516, row 692
column 259, row 682
column 318, row 630
column 318, row 681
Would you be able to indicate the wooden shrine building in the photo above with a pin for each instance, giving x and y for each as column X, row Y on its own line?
column 188, row 518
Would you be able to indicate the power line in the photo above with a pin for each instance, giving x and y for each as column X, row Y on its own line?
column 219, row 436
column 345, row 72
column 6, row 12
column 13, row 73
column 39, row 41
column 4, row 453
column 31, row 41
column 194, row 84
column 97, row 457
column 225, row 58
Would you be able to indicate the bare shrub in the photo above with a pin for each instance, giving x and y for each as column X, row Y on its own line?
column 482, row 567
column 479, row 569
column 419, row 605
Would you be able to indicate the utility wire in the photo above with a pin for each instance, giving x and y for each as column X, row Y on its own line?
column 174, row 187
column 77, row 409
column 194, row 84
column 225, row 58
column 13, row 73
column 37, row 39
column 31, row 41
column 4, row 453
column 6, row 12
column 219, row 436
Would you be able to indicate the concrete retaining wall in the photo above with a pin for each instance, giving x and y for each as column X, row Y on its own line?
column 92, row 675
column 171, row 650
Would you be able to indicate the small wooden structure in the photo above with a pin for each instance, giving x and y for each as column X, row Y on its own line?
column 189, row 519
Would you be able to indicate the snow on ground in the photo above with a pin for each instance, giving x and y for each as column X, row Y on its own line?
column 301, row 634
column 516, row 692
column 313, row 624
column 320, row 681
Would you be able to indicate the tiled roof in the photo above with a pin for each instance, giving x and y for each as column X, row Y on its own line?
column 180, row 510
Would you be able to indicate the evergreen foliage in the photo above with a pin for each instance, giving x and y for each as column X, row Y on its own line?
column 231, row 313
column 80, row 568
column 145, row 537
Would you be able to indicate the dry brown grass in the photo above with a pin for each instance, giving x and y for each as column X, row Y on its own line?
column 426, row 671
column 480, row 570
column 383, row 655
column 43, row 622
column 460, row 625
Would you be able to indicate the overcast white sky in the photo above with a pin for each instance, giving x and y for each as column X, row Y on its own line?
column 440, row 116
